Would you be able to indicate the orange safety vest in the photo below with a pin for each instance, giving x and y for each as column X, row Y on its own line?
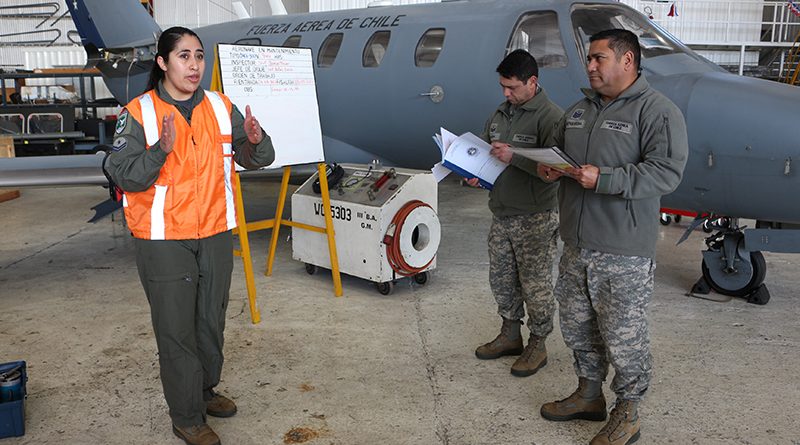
column 193, row 195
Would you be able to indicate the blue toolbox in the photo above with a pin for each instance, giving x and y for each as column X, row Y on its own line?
column 13, row 379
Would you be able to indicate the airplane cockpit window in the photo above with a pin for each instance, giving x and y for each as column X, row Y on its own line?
column 248, row 41
column 375, row 49
column 590, row 19
column 292, row 41
column 538, row 34
column 329, row 49
column 429, row 47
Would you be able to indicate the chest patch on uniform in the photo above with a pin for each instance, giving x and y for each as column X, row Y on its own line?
column 575, row 123
column 622, row 127
column 493, row 133
column 524, row 138
column 119, row 143
column 577, row 113
column 122, row 121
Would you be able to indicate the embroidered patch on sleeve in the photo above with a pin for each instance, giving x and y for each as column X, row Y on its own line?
column 122, row 121
column 119, row 144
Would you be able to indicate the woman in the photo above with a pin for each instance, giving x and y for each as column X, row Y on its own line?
column 172, row 156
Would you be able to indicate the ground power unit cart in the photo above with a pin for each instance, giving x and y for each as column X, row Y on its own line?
column 385, row 223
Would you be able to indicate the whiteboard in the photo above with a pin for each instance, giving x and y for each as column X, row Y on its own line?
column 278, row 84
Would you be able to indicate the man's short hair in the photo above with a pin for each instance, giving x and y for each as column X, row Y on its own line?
column 520, row 64
column 621, row 41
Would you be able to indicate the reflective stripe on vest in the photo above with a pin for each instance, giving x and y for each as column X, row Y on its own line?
column 150, row 125
column 224, row 121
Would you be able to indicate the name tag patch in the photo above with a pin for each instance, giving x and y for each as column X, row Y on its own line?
column 524, row 138
column 622, row 127
column 575, row 123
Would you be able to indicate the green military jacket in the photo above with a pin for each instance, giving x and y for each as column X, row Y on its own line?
column 518, row 190
column 639, row 143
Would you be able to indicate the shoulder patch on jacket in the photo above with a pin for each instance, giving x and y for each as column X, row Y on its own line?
column 122, row 121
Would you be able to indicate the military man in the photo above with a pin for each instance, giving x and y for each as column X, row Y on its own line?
column 632, row 144
column 523, row 235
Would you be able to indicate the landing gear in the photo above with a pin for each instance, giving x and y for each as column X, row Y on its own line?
column 730, row 269
column 740, row 281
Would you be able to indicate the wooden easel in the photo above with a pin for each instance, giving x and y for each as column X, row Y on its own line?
column 243, row 227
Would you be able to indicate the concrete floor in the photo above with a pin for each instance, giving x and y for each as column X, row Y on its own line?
column 367, row 368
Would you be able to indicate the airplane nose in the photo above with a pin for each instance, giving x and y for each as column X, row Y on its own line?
column 742, row 142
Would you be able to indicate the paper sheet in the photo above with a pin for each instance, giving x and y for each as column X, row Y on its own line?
column 551, row 156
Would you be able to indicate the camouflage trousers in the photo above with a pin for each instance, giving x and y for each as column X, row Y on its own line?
column 602, row 300
column 522, row 251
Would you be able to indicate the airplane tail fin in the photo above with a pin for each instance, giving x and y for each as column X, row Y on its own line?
column 113, row 24
column 120, row 39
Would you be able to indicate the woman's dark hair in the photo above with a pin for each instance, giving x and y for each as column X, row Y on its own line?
column 166, row 43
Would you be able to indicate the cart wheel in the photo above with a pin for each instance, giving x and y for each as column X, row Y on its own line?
column 421, row 278
column 311, row 269
column 664, row 219
column 677, row 218
column 385, row 288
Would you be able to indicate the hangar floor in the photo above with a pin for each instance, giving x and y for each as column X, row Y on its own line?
column 367, row 368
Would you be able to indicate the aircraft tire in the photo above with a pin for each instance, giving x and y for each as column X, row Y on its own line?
column 758, row 275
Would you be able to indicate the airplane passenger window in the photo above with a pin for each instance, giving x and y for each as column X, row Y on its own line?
column 292, row 41
column 329, row 49
column 375, row 49
column 538, row 34
column 429, row 47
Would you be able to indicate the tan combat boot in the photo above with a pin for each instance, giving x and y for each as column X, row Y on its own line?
column 622, row 427
column 196, row 434
column 220, row 406
column 509, row 342
column 532, row 359
column 587, row 403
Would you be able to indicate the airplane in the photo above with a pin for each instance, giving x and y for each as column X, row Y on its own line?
column 388, row 77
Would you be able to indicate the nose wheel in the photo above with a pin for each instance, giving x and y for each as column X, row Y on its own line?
column 747, row 275
column 730, row 269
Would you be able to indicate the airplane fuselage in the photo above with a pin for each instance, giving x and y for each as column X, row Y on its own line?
column 742, row 147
